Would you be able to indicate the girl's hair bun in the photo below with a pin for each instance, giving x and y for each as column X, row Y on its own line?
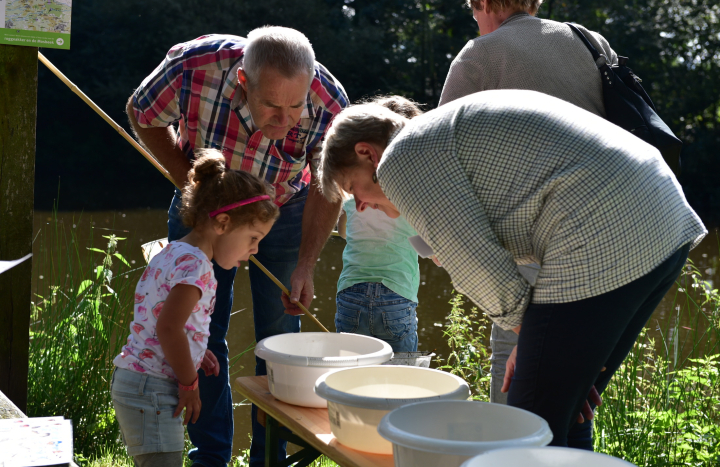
column 209, row 164
column 211, row 186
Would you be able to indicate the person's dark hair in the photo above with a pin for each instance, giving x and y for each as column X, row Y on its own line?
column 530, row 6
column 211, row 186
column 398, row 104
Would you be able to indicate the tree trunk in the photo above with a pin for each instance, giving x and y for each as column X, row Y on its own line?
column 18, row 112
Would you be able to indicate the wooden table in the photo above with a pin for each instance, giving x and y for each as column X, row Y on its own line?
column 310, row 429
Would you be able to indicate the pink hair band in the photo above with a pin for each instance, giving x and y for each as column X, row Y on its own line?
column 238, row 204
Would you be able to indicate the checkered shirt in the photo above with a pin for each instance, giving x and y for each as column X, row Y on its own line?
column 197, row 86
column 508, row 177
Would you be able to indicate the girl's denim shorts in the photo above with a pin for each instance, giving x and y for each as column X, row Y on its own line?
column 144, row 407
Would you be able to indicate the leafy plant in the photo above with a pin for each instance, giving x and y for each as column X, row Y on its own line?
column 469, row 356
column 662, row 407
column 76, row 332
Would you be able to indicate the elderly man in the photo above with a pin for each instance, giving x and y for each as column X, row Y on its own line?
column 516, row 50
column 517, row 177
column 265, row 103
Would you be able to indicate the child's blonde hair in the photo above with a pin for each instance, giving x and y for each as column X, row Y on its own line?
column 211, row 186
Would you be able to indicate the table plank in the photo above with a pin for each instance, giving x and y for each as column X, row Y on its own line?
column 310, row 424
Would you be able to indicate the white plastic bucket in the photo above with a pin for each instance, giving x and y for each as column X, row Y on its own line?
column 545, row 457
column 447, row 433
column 358, row 398
column 296, row 360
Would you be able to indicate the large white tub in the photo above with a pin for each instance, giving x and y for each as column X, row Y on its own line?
column 358, row 398
column 296, row 360
column 447, row 433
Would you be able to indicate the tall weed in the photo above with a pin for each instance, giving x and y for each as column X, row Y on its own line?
column 76, row 330
column 469, row 356
column 662, row 407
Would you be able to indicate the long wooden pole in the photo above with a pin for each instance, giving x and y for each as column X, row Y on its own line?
column 157, row 165
column 106, row 117
column 287, row 292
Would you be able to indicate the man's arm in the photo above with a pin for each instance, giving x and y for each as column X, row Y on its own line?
column 161, row 142
column 319, row 217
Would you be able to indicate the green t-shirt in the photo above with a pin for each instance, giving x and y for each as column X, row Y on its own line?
column 378, row 250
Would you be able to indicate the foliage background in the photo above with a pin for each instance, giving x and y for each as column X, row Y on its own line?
column 371, row 46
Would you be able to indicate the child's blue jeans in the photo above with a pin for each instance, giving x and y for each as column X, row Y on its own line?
column 144, row 407
column 371, row 309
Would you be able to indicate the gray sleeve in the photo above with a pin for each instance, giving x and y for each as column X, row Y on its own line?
column 464, row 76
column 438, row 200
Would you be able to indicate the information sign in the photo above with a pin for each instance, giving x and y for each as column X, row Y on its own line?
column 36, row 23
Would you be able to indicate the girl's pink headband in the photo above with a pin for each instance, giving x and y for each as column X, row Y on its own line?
column 238, row 204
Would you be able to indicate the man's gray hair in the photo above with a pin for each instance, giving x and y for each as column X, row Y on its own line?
column 367, row 123
column 284, row 49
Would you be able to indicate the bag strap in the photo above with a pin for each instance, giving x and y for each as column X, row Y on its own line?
column 585, row 41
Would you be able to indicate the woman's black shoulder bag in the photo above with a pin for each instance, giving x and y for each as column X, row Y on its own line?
column 628, row 106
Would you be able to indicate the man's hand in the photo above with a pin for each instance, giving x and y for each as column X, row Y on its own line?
column 210, row 364
column 319, row 217
column 190, row 401
column 302, row 291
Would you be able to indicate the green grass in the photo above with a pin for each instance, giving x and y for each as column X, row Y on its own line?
column 662, row 407
column 78, row 324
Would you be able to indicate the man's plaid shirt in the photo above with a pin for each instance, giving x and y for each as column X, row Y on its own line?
column 501, row 178
column 197, row 86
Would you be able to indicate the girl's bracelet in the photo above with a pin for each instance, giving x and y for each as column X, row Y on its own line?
column 192, row 387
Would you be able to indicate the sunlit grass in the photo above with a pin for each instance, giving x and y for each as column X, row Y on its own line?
column 78, row 325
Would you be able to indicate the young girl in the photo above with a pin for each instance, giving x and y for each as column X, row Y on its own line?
column 156, row 375
column 378, row 286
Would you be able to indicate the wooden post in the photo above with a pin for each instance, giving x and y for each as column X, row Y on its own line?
column 18, row 112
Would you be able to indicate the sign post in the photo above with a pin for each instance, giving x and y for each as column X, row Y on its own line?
column 18, row 114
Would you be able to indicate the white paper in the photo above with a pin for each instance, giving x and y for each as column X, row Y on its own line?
column 32, row 442
column 7, row 265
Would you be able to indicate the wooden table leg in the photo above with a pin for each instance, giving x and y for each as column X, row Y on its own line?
column 271, row 441
column 273, row 434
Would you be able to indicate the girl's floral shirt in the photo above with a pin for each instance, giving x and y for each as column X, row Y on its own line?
column 177, row 263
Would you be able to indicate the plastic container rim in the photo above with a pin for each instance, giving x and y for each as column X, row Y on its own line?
column 273, row 356
column 331, row 394
column 463, row 448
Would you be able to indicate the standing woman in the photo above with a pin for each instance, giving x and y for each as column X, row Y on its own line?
column 508, row 177
column 517, row 50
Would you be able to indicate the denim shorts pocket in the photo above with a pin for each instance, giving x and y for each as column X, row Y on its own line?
column 399, row 323
column 171, row 428
column 132, row 423
column 347, row 317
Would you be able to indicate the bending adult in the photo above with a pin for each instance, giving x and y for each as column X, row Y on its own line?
column 516, row 50
column 505, row 177
column 266, row 104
